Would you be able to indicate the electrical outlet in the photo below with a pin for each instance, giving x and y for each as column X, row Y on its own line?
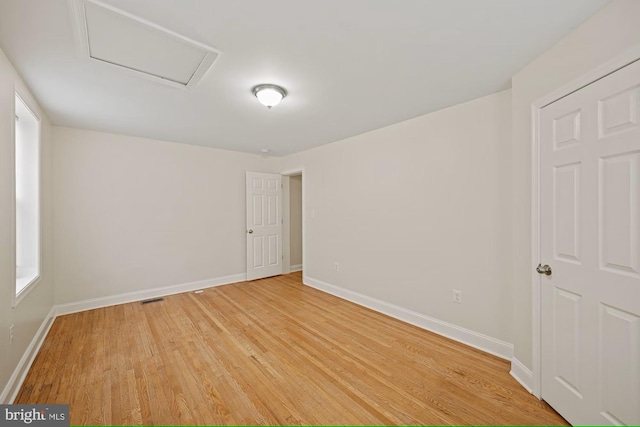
column 457, row 296
column 11, row 334
column 337, row 267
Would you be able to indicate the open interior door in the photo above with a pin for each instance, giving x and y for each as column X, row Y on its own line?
column 264, row 225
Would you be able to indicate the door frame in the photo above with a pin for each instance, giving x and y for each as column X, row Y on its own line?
column 621, row 61
column 287, row 173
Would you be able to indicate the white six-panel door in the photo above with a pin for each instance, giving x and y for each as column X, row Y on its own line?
column 590, row 237
column 264, row 225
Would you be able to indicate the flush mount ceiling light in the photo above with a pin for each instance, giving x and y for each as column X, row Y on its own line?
column 269, row 95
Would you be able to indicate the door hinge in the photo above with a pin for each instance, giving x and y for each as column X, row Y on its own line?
column 281, row 185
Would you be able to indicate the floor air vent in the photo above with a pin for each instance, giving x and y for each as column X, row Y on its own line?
column 147, row 301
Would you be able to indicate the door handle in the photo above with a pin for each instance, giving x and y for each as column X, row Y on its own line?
column 250, row 231
column 544, row 269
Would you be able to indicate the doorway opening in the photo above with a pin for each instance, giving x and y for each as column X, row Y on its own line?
column 293, row 224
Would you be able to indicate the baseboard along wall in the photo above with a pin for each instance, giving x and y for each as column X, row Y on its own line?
column 488, row 344
column 90, row 304
column 522, row 374
column 12, row 388
column 474, row 339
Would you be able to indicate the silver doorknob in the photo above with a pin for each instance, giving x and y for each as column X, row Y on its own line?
column 250, row 231
column 544, row 269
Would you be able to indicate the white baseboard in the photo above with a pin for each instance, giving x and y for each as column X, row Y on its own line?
column 90, row 304
column 522, row 374
column 474, row 339
column 12, row 388
column 297, row 267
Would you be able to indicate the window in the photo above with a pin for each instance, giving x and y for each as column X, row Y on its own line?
column 27, row 179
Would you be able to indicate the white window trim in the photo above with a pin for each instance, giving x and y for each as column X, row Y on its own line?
column 19, row 296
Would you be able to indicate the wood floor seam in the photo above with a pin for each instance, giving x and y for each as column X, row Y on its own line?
column 268, row 352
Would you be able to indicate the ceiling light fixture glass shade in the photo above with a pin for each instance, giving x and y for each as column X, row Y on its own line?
column 269, row 95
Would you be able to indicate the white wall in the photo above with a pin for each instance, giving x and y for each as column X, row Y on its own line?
column 416, row 209
column 295, row 218
column 33, row 309
column 134, row 214
column 609, row 33
column 410, row 211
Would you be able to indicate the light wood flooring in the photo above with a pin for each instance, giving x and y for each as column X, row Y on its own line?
column 270, row 351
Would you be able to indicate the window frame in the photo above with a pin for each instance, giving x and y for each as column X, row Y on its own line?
column 21, row 94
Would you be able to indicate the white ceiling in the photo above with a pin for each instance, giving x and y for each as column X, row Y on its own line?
column 348, row 66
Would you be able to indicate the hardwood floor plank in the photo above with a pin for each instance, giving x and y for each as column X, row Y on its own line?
column 268, row 352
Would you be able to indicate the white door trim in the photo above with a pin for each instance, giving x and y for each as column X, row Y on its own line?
column 300, row 171
column 630, row 56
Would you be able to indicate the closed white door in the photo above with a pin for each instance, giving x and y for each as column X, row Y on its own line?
column 590, row 238
column 264, row 225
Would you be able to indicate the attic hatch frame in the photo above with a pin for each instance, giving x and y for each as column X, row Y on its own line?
column 81, row 36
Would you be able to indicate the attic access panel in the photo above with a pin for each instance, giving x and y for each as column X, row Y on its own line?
column 115, row 37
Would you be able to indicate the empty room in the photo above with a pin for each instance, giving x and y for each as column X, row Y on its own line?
column 366, row 212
